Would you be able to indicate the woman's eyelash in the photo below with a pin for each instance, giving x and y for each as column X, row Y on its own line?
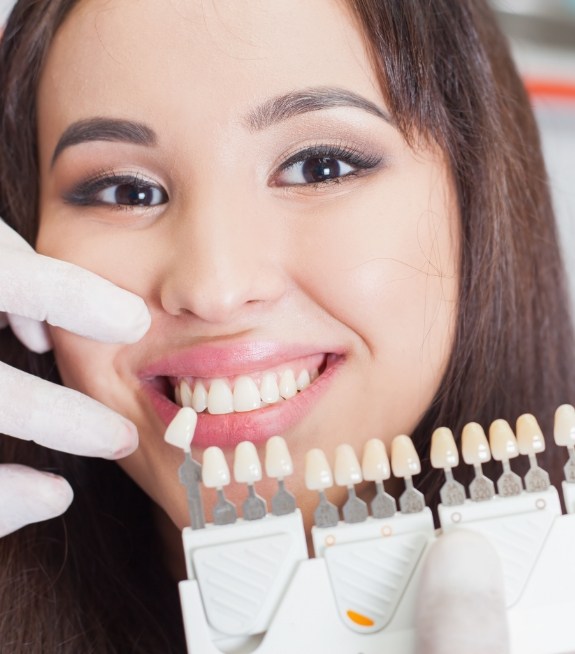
column 321, row 165
column 137, row 190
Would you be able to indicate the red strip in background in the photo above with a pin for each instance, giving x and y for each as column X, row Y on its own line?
column 544, row 88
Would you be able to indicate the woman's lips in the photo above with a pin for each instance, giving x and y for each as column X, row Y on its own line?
column 228, row 429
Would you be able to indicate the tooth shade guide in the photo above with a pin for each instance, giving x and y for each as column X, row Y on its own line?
column 216, row 474
column 481, row 487
column 318, row 477
column 475, row 450
column 190, row 474
column 215, row 471
column 375, row 467
column 564, row 426
column 530, row 442
column 248, row 470
column 444, row 452
column 564, row 436
column 348, row 473
column 326, row 514
column 503, row 447
column 405, row 463
column 278, row 464
column 444, row 456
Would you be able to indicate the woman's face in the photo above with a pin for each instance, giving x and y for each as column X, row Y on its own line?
column 234, row 165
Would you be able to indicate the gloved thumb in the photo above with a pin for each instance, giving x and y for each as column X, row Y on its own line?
column 461, row 603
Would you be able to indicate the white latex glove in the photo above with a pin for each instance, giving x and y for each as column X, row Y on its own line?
column 34, row 289
column 461, row 605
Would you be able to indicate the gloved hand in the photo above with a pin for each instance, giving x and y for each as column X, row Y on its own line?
column 34, row 289
column 461, row 604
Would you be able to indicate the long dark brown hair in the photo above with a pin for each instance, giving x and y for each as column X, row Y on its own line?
column 91, row 581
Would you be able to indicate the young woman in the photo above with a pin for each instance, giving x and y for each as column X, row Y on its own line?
column 346, row 194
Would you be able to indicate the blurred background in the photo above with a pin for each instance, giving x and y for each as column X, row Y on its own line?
column 542, row 36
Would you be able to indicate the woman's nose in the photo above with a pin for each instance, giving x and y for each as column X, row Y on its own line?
column 224, row 261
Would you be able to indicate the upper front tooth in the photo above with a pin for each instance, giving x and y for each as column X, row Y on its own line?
column 269, row 391
column 303, row 380
column 287, row 385
column 199, row 397
column 185, row 394
column 220, row 398
column 246, row 394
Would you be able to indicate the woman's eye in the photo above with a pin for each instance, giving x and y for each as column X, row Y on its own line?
column 322, row 165
column 117, row 191
column 134, row 195
column 315, row 170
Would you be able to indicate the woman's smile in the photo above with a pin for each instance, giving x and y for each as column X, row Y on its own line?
column 246, row 391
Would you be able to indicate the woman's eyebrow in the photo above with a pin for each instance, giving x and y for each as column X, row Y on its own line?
column 104, row 129
column 292, row 104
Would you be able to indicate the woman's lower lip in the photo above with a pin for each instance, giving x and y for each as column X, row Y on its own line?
column 229, row 429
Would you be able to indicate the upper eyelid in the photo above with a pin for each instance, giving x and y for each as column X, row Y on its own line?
column 83, row 191
column 335, row 150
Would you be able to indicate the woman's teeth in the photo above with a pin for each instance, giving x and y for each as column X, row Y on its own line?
column 219, row 396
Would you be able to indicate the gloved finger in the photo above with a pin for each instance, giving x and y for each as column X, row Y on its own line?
column 68, row 296
column 461, row 603
column 61, row 418
column 33, row 334
column 30, row 496
column 64, row 295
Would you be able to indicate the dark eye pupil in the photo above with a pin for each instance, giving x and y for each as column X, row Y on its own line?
column 319, row 169
column 134, row 195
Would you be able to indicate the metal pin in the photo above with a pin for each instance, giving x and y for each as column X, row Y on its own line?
column 180, row 433
column 216, row 474
column 318, row 477
column 405, row 463
column 375, row 467
column 278, row 466
column 248, row 470
column 503, row 446
column 530, row 442
column 444, row 456
column 348, row 473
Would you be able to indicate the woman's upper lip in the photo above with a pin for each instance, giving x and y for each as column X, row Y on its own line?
column 209, row 360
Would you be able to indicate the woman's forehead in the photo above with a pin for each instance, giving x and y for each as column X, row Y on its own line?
column 184, row 61
column 281, row 42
